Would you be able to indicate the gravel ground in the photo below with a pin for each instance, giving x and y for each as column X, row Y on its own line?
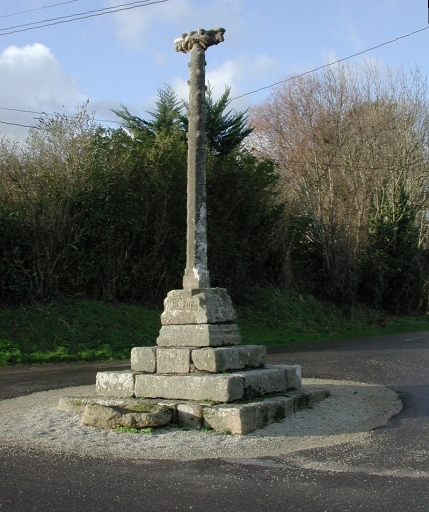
column 352, row 411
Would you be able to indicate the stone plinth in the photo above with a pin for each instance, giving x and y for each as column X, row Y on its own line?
column 173, row 360
column 198, row 306
column 198, row 335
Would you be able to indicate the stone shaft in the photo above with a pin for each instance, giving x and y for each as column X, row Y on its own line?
column 196, row 272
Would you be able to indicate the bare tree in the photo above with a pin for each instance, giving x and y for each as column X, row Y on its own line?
column 348, row 141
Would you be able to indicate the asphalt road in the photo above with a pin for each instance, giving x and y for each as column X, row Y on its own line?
column 390, row 471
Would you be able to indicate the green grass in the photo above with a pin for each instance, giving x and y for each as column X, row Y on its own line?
column 94, row 331
column 129, row 430
column 78, row 331
column 277, row 318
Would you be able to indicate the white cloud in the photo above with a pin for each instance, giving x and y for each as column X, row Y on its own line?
column 147, row 27
column 236, row 74
column 32, row 79
column 135, row 27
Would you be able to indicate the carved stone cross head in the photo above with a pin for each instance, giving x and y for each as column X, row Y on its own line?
column 204, row 38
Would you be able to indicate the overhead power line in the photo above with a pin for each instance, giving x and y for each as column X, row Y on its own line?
column 327, row 65
column 17, row 124
column 38, row 9
column 78, row 16
column 47, row 114
column 236, row 97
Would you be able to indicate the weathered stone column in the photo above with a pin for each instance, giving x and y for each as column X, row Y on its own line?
column 196, row 273
column 197, row 315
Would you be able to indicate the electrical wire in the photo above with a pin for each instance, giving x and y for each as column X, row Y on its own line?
column 47, row 114
column 37, row 9
column 17, row 124
column 327, row 65
column 242, row 95
column 79, row 16
column 73, row 15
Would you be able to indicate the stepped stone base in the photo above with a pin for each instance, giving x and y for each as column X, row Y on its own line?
column 198, row 374
column 236, row 418
column 214, row 387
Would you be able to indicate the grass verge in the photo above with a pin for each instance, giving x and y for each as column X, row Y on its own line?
column 77, row 331
column 95, row 331
column 277, row 318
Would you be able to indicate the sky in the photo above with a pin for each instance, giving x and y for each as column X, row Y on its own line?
column 123, row 58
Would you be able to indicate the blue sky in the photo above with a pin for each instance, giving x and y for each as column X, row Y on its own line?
column 123, row 58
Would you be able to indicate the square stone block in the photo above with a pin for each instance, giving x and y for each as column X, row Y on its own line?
column 264, row 381
column 198, row 335
column 190, row 415
column 115, row 384
column 215, row 388
column 293, row 376
column 245, row 418
column 199, row 306
column 173, row 360
column 317, row 395
column 143, row 359
column 228, row 358
column 292, row 372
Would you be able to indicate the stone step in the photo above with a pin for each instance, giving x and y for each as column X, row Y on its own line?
column 246, row 418
column 188, row 360
column 198, row 335
column 235, row 418
column 219, row 388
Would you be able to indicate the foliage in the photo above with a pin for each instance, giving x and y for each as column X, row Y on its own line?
column 328, row 195
column 393, row 273
column 39, row 225
column 225, row 131
column 74, row 331
column 89, row 212
column 166, row 118
column 82, row 330
column 133, row 242
column 243, row 209
column 346, row 141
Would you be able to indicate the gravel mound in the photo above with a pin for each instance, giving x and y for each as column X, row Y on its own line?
column 352, row 411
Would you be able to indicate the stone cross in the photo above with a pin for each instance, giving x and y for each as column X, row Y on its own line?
column 196, row 273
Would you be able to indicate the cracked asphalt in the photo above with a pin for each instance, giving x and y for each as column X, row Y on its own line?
column 389, row 471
